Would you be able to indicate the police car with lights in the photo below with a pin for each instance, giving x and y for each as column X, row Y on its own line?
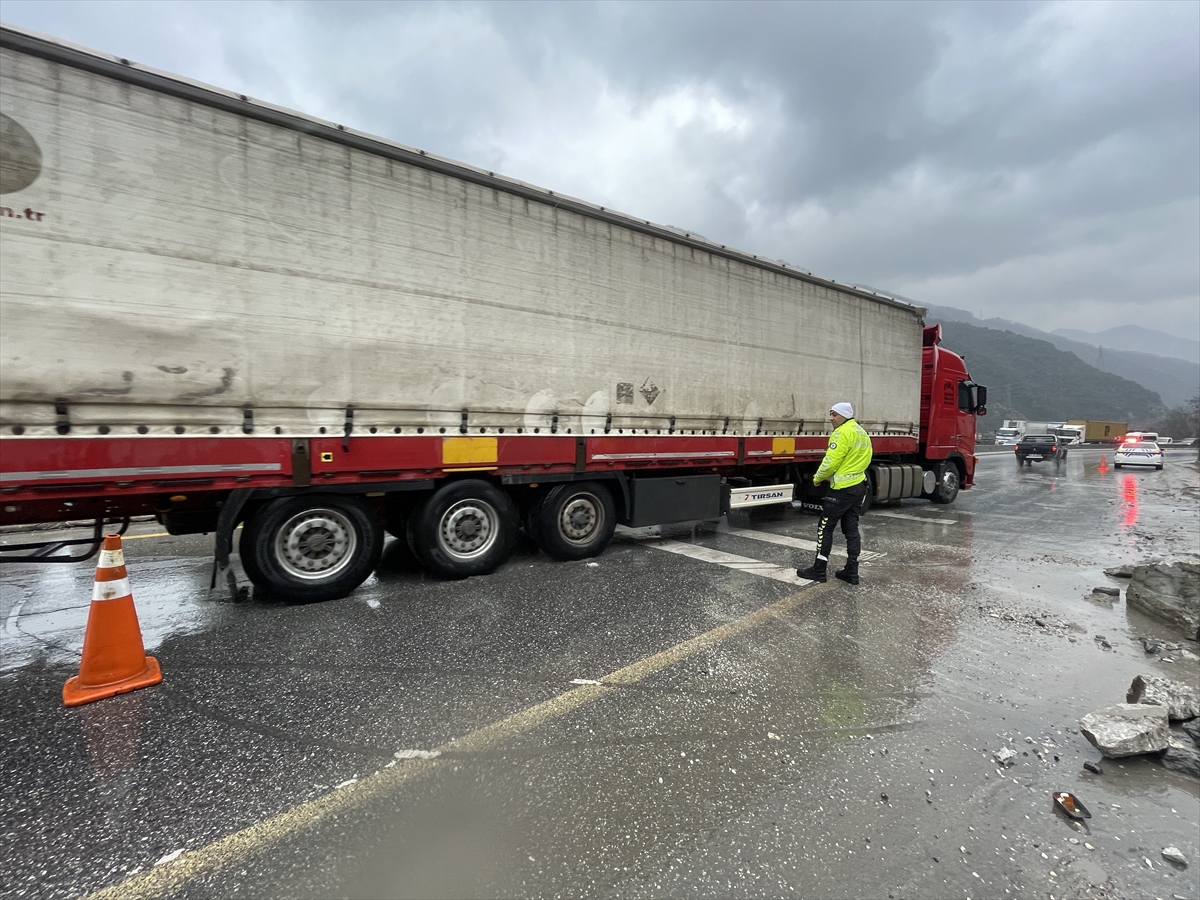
column 1135, row 452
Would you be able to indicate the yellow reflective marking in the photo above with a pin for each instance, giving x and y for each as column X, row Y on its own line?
column 463, row 450
column 783, row 446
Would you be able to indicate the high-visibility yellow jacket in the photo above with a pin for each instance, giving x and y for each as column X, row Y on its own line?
column 847, row 458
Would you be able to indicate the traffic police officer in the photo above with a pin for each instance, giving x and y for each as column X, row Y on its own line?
column 844, row 467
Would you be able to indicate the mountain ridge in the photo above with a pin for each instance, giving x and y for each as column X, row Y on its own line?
column 1175, row 381
column 1029, row 378
column 1137, row 339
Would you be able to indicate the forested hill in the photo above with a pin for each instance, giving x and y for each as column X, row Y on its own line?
column 1031, row 379
column 1176, row 381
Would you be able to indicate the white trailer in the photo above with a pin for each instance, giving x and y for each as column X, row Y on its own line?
column 221, row 311
column 189, row 259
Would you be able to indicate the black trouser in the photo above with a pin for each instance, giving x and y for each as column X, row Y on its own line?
column 843, row 505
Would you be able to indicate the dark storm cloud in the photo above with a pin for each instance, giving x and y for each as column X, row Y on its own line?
column 1036, row 161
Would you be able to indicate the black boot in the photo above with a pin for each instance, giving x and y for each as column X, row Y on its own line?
column 816, row 572
column 850, row 573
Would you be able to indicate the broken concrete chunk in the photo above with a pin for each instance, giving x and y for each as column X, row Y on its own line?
column 1182, row 756
column 1005, row 756
column 1192, row 729
column 1107, row 591
column 1125, row 571
column 1093, row 767
column 1182, row 702
column 1127, row 729
column 1175, row 855
column 1168, row 591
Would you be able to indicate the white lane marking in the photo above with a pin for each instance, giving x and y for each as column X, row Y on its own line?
column 895, row 515
column 731, row 561
column 784, row 540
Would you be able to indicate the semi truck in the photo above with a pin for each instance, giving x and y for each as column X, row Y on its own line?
column 1010, row 432
column 1070, row 435
column 226, row 314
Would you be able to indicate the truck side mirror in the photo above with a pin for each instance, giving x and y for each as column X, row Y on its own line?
column 981, row 411
column 980, row 400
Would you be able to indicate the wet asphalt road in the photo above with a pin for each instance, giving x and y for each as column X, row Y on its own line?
column 740, row 743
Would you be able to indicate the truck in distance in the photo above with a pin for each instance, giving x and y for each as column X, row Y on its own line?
column 1070, row 435
column 1101, row 432
column 1010, row 432
column 326, row 337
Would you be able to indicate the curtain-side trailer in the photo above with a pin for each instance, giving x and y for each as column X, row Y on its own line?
column 220, row 312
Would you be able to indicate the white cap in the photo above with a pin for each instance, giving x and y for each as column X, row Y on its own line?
column 845, row 410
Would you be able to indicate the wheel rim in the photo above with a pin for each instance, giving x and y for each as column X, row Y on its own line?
column 581, row 518
column 316, row 544
column 469, row 529
column 950, row 480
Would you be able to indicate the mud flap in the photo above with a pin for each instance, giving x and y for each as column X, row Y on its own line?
column 223, row 585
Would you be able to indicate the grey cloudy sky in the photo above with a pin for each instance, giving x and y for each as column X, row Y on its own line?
column 1037, row 161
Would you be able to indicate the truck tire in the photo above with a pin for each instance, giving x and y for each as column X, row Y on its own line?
column 574, row 520
column 466, row 528
column 312, row 548
column 947, row 485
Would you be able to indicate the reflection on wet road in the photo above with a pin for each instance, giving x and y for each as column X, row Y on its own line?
column 742, row 736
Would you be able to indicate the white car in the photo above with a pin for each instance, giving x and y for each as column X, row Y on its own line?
column 1138, row 453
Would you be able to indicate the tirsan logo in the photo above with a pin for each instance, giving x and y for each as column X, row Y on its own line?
column 20, row 166
column 767, row 495
column 20, row 157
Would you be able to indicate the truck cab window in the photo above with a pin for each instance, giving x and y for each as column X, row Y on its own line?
column 971, row 396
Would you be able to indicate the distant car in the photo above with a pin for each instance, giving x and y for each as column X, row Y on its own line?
column 1139, row 453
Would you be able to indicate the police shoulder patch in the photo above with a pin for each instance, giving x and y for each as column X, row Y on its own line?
column 833, row 445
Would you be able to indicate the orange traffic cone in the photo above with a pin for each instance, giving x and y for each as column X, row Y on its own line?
column 114, row 659
column 1103, row 467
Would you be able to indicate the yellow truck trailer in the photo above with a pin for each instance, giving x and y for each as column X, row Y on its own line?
column 1101, row 432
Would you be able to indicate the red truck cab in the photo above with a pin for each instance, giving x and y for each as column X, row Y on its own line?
column 950, row 401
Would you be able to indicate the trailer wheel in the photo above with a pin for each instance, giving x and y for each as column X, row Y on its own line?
column 466, row 528
column 574, row 520
column 947, row 486
column 312, row 548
